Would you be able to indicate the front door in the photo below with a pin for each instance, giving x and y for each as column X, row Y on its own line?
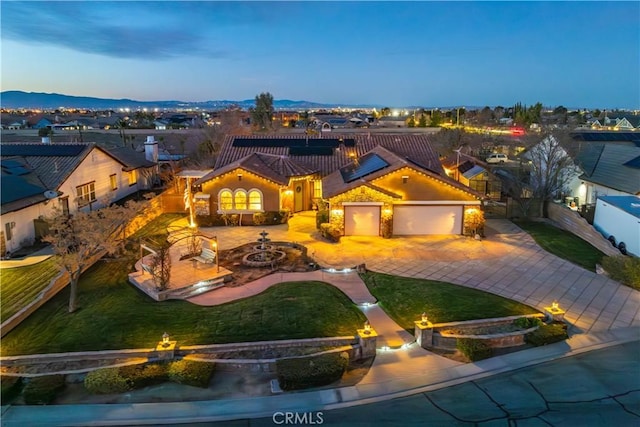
column 298, row 197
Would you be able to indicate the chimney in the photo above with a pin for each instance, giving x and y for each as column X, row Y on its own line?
column 151, row 149
column 46, row 140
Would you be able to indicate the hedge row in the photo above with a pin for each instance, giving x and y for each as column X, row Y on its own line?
column 474, row 349
column 547, row 334
column 315, row 371
column 10, row 388
column 258, row 218
column 126, row 378
column 42, row 390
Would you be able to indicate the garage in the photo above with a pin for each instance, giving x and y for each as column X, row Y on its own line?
column 420, row 219
column 362, row 220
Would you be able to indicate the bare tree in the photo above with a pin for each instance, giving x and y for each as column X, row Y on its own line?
column 79, row 237
column 551, row 168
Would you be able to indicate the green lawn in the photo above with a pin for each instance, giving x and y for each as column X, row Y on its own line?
column 115, row 315
column 157, row 227
column 563, row 244
column 22, row 284
column 405, row 299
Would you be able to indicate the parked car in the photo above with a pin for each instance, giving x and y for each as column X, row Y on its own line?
column 497, row 158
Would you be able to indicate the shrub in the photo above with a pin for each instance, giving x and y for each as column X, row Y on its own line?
column 143, row 375
column 212, row 220
column 191, row 372
column 474, row 349
column 527, row 322
column 259, row 218
column 42, row 390
column 330, row 231
column 322, row 217
column 547, row 334
column 10, row 387
column 305, row 372
column 624, row 269
column 106, row 381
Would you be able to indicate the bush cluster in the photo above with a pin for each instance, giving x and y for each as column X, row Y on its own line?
column 190, row 372
column 106, row 381
column 322, row 217
column 42, row 390
column 126, row 378
column 547, row 334
column 213, row 220
column 624, row 269
column 330, row 232
column 474, row 349
column 305, row 372
column 10, row 387
column 527, row 322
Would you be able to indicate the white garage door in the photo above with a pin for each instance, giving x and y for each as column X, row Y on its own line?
column 362, row 220
column 416, row 220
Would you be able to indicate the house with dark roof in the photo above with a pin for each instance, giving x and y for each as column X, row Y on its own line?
column 370, row 184
column 36, row 178
column 463, row 168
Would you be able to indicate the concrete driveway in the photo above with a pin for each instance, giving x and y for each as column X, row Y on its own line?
column 507, row 262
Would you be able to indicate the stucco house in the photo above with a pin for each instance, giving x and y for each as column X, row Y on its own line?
column 369, row 183
column 38, row 177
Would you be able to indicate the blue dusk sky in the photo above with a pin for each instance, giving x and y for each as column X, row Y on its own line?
column 576, row 54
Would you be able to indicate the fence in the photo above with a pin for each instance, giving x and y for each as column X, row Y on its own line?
column 571, row 221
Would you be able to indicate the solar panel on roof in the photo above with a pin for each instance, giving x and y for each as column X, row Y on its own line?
column 10, row 164
column 368, row 164
column 293, row 142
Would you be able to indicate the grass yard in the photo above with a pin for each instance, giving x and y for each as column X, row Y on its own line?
column 563, row 244
column 21, row 285
column 115, row 315
column 157, row 227
column 405, row 299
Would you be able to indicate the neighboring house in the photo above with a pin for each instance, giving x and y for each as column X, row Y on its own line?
column 463, row 169
column 38, row 177
column 43, row 123
column 364, row 180
column 618, row 219
column 608, row 170
column 161, row 124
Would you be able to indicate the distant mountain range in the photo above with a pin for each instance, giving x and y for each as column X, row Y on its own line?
column 20, row 99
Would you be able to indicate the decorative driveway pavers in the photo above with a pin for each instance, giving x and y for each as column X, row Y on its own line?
column 507, row 262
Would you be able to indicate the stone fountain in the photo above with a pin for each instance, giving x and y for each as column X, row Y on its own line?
column 263, row 254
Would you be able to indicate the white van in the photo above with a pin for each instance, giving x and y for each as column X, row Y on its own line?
column 497, row 158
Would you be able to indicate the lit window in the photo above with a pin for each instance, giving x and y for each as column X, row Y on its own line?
column 133, row 178
column 241, row 200
column 317, row 189
column 226, row 200
column 114, row 182
column 255, row 200
column 86, row 193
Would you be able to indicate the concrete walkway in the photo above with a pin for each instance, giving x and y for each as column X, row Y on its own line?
column 34, row 258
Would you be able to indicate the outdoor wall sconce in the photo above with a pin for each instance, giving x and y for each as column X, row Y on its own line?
column 405, row 178
column 367, row 327
column 424, row 319
column 165, row 340
column 239, row 177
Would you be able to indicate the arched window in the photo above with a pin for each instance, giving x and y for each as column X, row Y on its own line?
column 255, row 200
column 226, row 200
column 240, row 200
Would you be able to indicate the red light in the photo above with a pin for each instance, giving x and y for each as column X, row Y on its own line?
column 517, row 131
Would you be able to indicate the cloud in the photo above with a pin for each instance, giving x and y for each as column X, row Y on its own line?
column 140, row 30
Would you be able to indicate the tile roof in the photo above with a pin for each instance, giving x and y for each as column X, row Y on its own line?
column 416, row 148
column 131, row 159
column 334, row 183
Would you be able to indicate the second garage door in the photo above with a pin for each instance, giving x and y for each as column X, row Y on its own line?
column 416, row 220
column 362, row 220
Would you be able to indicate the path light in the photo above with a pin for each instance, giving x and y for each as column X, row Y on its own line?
column 555, row 306
column 425, row 319
column 165, row 340
column 367, row 327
